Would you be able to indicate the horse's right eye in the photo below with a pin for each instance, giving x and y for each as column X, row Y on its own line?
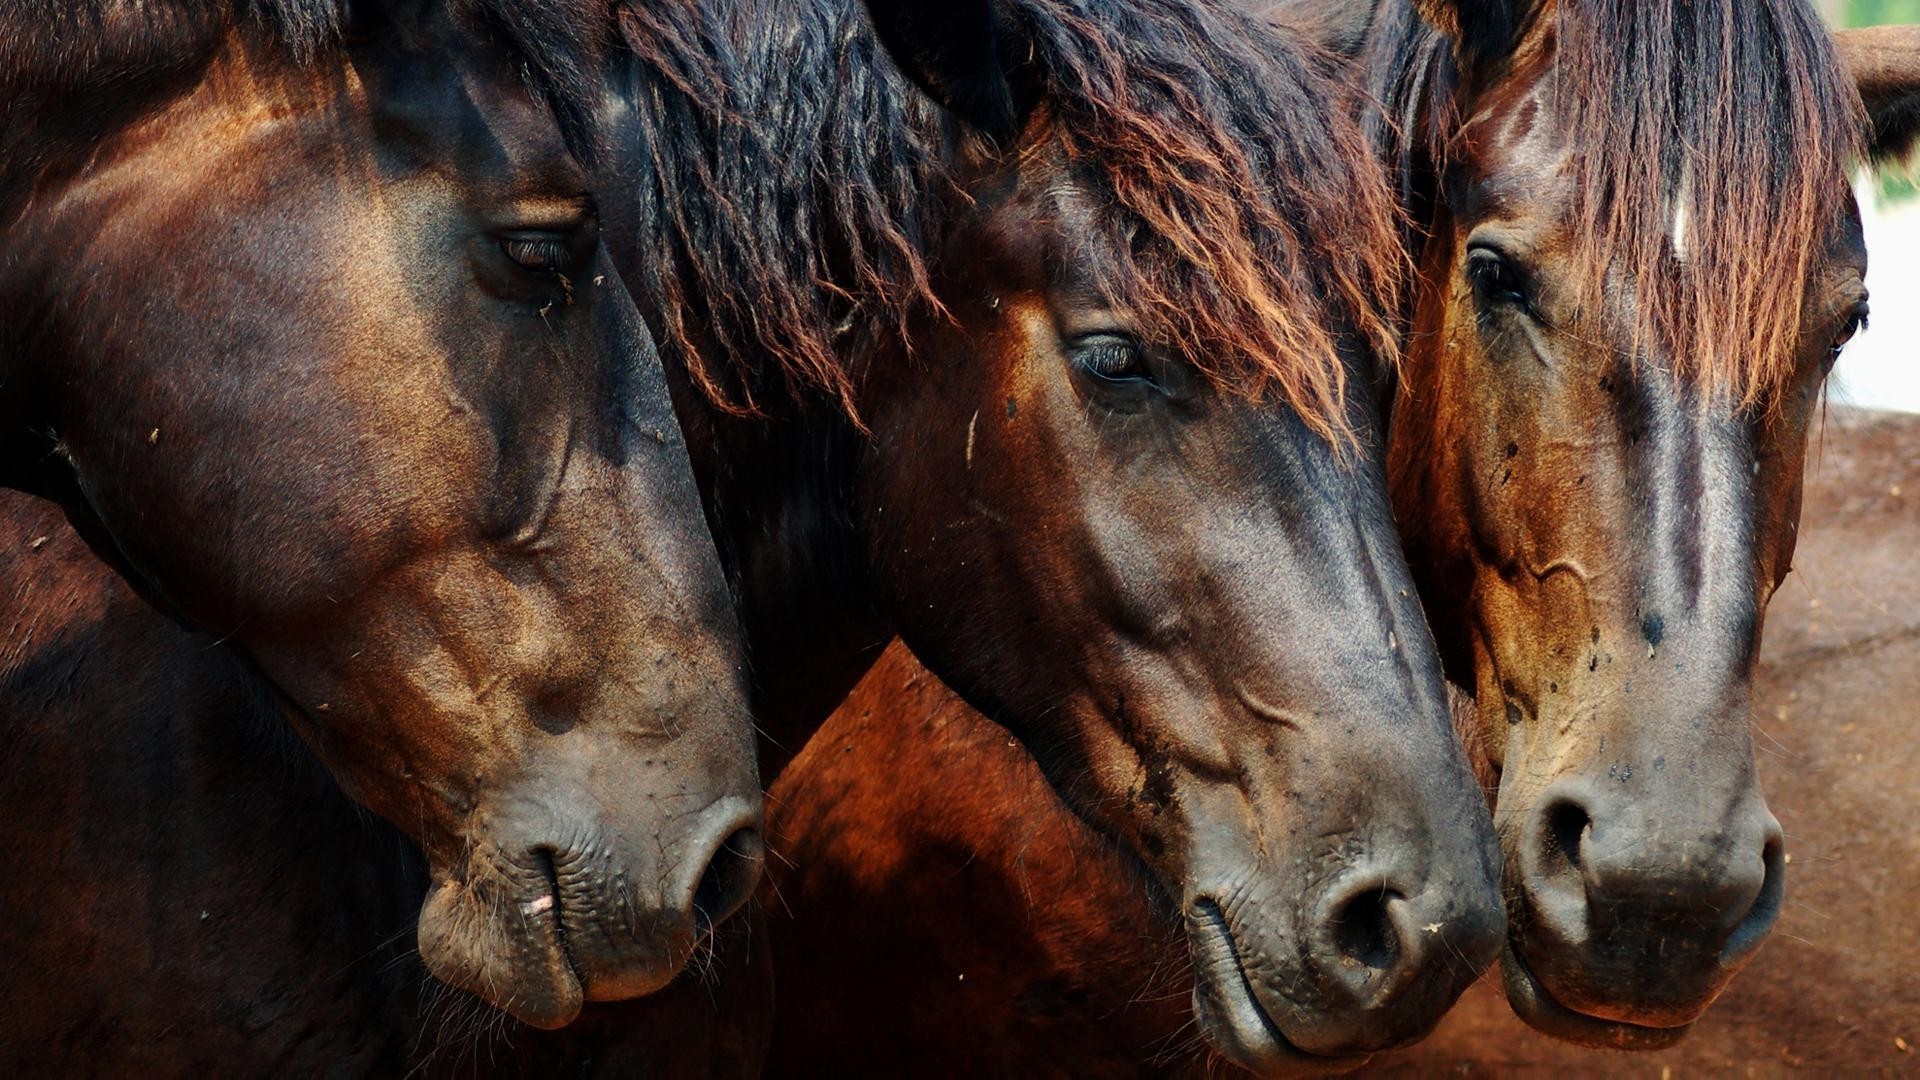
column 1111, row 358
column 1496, row 278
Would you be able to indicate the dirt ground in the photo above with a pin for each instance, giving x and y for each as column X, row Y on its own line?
column 1837, row 727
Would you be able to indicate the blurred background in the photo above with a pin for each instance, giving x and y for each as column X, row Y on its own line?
column 1881, row 369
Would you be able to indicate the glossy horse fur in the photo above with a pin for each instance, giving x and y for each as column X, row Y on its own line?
column 1671, row 506
column 1642, row 259
column 316, row 345
column 812, row 509
column 1082, row 412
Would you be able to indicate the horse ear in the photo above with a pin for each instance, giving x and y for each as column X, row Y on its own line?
column 971, row 56
column 1484, row 32
column 1885, row 62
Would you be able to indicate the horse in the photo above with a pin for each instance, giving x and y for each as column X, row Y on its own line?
column 822, row 517
column 1642, row 259
column 315, row 343
column 1048, row 348
column 221, row 905
column 1833, row 700
column 1497, row 403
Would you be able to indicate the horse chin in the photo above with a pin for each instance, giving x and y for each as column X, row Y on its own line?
column 1533, row 1003
column 1232, row 1018
column 508, row 954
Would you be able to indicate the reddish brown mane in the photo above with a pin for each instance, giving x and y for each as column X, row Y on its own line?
column 1736, row 113
column 1264, row 234
column 1260, row 233
column 1737, row 110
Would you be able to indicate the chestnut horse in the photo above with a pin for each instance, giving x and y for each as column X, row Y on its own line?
column 1169, row 388
column 1834, row 701
column 313, row 339
column 1669, row 485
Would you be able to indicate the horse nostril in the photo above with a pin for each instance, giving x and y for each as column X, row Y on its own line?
column 1567, row 823
column 729, row 877
column 1554, row 866
column 1363, row 931
column 1754, row 927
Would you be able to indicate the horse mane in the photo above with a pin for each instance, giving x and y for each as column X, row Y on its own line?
column 1734, row 113
column 106, row 56
column 800, row 179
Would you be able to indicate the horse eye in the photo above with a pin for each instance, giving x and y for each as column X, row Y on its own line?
column 542, row 253
column 1856, row 322
column 1495, row 277
column 1111, row 358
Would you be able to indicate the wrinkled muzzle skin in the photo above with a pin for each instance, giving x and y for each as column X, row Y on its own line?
column 435, row 494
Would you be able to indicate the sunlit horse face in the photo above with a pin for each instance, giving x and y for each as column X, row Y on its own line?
column 1598, row 515
column 1190, row 607
column 326, row 357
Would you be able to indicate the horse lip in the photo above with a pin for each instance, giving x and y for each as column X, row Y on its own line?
column 1535, row 1004
column 1238, row 1026
column 551, row 874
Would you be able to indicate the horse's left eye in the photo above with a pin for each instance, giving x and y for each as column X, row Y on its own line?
column 541, row 253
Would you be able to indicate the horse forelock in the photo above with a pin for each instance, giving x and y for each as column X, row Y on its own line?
column 1710, row 168
column 812, row 207
column 1709, row 146
column 1265, row 233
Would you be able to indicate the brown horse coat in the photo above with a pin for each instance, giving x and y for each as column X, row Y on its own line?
column 976, row 926
column 189, row 893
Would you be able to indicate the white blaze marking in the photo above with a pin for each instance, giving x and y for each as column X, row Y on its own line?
column 1683, row 195
column 970, row 426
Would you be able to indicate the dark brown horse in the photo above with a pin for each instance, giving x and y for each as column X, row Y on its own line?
column 217, row 905
column 1062, row 367
column 311, row 336
column 1669, row 489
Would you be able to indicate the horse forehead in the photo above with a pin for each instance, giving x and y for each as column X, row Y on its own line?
column 1520, row 145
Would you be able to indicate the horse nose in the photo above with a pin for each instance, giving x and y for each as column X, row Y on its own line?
column 1391, row 953
column 623, row 941
column 730, row 857
column 1643, row 909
